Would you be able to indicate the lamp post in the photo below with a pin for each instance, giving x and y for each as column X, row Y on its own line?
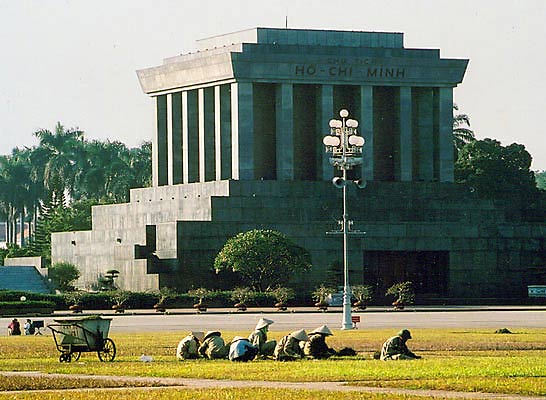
column 346, row 148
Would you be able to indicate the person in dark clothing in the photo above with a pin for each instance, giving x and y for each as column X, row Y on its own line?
column 316, row 346
column 395, row 348
column 14, row 328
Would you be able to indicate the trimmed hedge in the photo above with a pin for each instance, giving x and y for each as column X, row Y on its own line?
column 145, row 300
column 26, row 307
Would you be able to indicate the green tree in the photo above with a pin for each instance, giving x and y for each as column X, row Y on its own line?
column 494, row 170
column 462, row 134
column 58, row 159
column 63, row 275
column 263, row 258
column 540, row 177
column 141, row 165
column 15, row 191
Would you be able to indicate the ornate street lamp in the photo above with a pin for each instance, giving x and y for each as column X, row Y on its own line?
column 346, row 148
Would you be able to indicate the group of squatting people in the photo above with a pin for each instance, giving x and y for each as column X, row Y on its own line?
column 294, row 346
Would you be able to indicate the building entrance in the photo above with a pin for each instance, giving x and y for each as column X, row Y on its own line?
column 428, row 270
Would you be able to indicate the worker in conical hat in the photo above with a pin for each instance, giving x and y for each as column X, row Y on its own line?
column 188, row 346
column 395, row 347
column 213, row 346
column 316, row 346
column 289, row 348
column 241, row 349
column 263, row 323
column 259, row 338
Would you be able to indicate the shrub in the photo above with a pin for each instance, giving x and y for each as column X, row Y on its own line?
column 403, row 292
column 322, row 292
column 242, row 295
column 362, row 293
column 29, row 306
column 283, row 294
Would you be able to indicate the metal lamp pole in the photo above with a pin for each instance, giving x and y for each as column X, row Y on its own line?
column 346, row 148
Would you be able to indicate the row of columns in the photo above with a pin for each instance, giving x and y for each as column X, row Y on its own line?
column 250, row 131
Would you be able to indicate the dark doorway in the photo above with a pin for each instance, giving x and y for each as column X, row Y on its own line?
column 428, row 270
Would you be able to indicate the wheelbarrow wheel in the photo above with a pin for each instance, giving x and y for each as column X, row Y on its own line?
column 108, row 351
column 65, row 357
column 76, row 355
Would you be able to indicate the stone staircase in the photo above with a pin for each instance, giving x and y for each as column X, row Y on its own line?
column 22, row 278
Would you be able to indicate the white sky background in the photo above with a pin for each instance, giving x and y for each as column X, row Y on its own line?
column 74, row 61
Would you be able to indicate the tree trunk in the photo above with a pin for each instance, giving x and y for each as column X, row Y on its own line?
column 22, row 227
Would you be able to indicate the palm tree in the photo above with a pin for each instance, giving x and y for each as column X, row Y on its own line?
column 141, row 165
column 462, row 134
column 16, row 183
column 58, row 159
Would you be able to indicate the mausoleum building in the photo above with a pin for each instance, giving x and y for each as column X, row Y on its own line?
column 238, row 146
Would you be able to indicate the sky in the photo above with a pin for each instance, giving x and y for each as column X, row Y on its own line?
column 75, row 61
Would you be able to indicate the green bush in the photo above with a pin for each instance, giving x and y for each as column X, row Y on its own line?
column 25, row 306
column 146, row 300
column 15, row 296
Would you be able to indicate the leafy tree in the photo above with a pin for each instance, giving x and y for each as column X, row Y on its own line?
column 540, row 177
column 283, row 294
column 263, row 258
column 242, row 295
column 321, row 293
column 58, row 159
column 63, row 275
column 403, row 293
column 462, row 134
column 495, row 170
column 16, row 190
column 53, row 186
column 111, row 169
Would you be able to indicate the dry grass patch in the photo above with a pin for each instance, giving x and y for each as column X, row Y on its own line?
column 214, row 394
column 467, row 360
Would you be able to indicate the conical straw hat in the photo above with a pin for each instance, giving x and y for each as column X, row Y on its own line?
column 300, row 335
column 263, row 322
column 324, row 330
column 198, row 334
column 212, row 333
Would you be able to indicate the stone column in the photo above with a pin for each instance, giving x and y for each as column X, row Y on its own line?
column 185, row 159
column 169, row 139
column 159, row 145
column 224, row 167
column 405, row 164
column 425, row 123
column 217, row 134
column 242, row 124
column 285, row 131
column 193, row 135
column 175, row 139
column 209, row 135
column 325, row 113
column 366, row 129
column 445, row 133
column 201, row 141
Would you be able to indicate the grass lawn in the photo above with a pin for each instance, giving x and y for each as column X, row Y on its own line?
column 462, row 360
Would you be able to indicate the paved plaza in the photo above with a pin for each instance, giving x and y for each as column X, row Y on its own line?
column 511, row 317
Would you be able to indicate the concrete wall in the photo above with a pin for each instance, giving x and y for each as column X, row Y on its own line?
column 489, row 254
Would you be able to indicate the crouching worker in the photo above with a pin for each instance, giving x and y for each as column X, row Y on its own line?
column 259, row 338
column 213, row 346
column 187, row 348
column 288, row 348
column 395, row 348
column 316, row 346
column 241, row 349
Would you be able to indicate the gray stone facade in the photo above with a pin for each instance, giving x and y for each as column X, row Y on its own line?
column 238, row 146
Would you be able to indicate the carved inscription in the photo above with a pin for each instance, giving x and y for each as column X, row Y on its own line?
column 339, row 68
